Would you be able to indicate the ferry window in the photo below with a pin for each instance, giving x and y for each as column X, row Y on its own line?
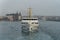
column 32, row 22
column 24, row 23
column 31, row 28
column 29, row 19
column 23, row 26
column 36, row 23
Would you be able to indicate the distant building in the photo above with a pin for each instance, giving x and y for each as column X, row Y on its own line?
column 1, row 18
column 10, row 17
column 43, row 18
column 19, row 16
column 14, row 16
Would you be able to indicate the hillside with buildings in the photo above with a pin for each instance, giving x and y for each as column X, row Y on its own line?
column 11, row 17
column 18, row 17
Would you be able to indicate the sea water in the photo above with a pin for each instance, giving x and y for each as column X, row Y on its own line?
column 48, row 30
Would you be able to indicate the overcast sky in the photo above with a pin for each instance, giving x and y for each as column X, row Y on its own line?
column 39, row 7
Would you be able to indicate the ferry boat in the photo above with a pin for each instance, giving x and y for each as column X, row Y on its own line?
column 29, row 24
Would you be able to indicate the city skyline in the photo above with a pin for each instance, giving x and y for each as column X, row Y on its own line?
column 39, row 7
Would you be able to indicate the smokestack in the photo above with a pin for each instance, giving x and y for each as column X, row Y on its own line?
column 30, row 12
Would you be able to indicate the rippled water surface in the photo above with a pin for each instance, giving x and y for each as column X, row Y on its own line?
column 48, row 30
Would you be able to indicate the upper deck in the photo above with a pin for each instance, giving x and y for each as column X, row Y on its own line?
column 29, row 19
column 32, row 21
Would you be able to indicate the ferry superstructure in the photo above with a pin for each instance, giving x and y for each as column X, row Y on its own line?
column 29, row 24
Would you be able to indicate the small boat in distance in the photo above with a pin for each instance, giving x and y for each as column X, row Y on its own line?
column 29, row 24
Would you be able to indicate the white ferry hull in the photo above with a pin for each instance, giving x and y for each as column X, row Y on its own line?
column 30, row 27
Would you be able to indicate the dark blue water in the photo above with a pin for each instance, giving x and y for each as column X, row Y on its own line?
column 49, row 30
